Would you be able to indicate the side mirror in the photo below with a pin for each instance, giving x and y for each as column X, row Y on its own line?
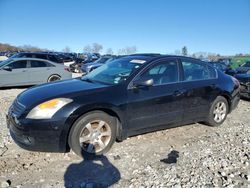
column 7, row 68
column 143, row 83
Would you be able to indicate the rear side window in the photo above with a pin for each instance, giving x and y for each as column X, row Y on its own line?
column 195, row 71
column 36, row 64
column 18, row 64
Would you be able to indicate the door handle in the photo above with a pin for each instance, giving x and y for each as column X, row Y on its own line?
column 24, row 71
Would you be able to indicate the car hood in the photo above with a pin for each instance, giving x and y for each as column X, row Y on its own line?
column 241, row 70
column 243, row 78
column 38, row 94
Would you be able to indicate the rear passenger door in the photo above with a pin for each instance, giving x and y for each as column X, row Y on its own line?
column 39, row 71
column 199, row 83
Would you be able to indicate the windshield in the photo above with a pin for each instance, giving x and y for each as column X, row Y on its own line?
column 114, row 72
column 2, row 63
column 18, row 55
column 102, row 60
column 247, row 64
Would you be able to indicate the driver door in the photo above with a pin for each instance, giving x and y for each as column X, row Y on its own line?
column 159, row 104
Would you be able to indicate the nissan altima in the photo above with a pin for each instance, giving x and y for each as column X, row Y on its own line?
column 125, row 97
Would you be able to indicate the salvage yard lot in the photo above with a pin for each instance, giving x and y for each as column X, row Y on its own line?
column 185, row 156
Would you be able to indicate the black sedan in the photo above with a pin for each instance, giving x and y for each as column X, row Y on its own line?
column 125, row 97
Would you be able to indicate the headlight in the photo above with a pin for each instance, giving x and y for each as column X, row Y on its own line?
column 47, row 109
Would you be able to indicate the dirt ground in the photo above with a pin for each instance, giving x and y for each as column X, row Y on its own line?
column 189, row 156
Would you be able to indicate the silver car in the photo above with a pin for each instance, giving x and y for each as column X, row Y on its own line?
column 31, row 71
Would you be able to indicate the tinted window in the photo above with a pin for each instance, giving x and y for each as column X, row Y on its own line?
column 18, row 64
column 34, row 64
column 54, row 58
column 41, row 56
column 195, row 71
column 162, row 73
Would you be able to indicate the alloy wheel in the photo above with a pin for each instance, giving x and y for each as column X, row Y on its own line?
column 220, row 111
column 95, row 136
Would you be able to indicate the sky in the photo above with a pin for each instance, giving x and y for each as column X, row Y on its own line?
column 153, row 26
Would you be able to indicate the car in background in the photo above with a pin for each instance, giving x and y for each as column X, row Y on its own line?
column 40, row 55
column 222, row 66
column 88, row 67
column 83, row 58
column 128, row 96
column 3, row 56
column 67, row 60
column 31, row 71
column 243, row 75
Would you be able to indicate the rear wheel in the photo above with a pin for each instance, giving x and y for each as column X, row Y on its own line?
column 218, row 111
column 53, row 78
column 93, row 134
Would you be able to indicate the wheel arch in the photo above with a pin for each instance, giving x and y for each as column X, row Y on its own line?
column 228, row 98
column 54, row 74
column 120, row 135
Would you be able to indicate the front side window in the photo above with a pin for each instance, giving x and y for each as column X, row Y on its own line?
column 195, row 71
column 162, row 73
column 37, row 64
column 18, row 65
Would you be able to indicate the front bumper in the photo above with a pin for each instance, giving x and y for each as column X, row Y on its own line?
column 37, row 135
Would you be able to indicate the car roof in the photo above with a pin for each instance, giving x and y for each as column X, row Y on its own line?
column 151, row 57
column 29, row 58
column 46, row 53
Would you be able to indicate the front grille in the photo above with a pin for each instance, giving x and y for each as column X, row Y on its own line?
column 17, row 108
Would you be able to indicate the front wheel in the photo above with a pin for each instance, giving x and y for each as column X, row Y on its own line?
column 92, row 134
column 218, row 111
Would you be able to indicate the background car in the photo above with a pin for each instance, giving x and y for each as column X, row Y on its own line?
column 51, row 56
column 31, row 71
column 222, row 66
column 243, row 75
column 88, row 67
column 40, row 55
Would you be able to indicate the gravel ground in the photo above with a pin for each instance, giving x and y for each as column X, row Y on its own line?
column 190, row 156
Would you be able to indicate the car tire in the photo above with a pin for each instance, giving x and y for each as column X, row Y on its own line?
column 92, row 134
column 218, row 112
column 54, row 78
